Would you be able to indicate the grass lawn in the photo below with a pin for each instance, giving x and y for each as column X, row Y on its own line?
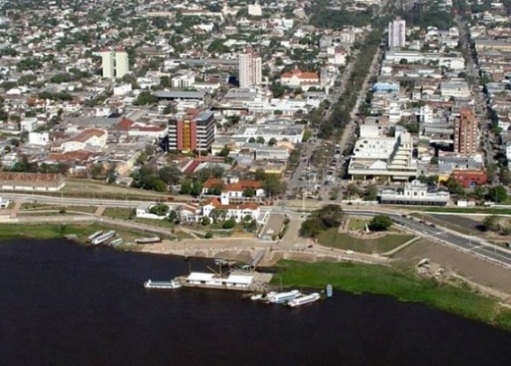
column 357, row 224
column 399, row 282
column 119, row 213
column 53, row 231
column 27, row 207
column 332, row 238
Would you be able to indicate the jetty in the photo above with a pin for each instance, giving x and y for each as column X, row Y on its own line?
column 234, row 281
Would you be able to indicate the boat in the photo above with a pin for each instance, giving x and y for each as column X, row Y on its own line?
column 302, row 300
column 256, row 297
column 172, row 284
column 116, row 242
column 151, row 240
column 94, row 235
column 329, row 290
column 103, row 237
column 284, row 297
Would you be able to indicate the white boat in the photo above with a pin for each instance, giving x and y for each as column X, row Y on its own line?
column 172, row 284
column 283, row 297
column 263, row 297
column 304, row 300
column 103, row 237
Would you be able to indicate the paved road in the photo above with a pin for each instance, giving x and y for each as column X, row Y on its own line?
column 473, row 245
column 72, row 201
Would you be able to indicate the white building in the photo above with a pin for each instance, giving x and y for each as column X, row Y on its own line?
column 255, row 9
column 236, row 211
column 508, row 151
column 456, row 89
column 144, row 212
column 185, row 80
column 250, row 69
column 28, row 124
column 300, row 79
column 108, row 63
column 390, row 157
column 397, row 33
column 123, row 89
column 414, row 193
column 122, row 66
column 39, row 138
column 89, row 139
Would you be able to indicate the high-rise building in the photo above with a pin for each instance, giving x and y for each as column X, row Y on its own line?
column 397, row 33
column 466, row 133
column 193, row 131
column 122, row 66
column 114, row 64
column 250, row 69
column 107, row 63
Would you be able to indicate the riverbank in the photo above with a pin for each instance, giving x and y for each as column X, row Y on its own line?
column 398, row 282
column 80, row 231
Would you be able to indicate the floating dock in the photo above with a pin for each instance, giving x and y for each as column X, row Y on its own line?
column 256, row 282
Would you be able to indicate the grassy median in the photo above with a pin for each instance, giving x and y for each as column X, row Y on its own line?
column 399, row 282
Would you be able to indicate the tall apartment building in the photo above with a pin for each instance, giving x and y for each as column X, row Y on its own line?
column 122, row 66
column 397, row 33
column 250, row 69
column 193, row 131
column 466, row 133
column 114, row 63
column 107, row 63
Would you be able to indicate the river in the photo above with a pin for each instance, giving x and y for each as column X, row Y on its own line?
column 64, row 304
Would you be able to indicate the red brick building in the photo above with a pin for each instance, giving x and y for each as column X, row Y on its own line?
column 470, row 178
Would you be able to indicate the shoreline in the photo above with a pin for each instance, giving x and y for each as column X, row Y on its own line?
column 464, row 298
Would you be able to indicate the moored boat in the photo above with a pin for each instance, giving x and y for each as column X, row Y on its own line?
column 283, row 297
column 172, row 284
column 304, row 300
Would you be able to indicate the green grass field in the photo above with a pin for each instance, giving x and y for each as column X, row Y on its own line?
column 399, row 282
column 334, row 239
column 357, row 224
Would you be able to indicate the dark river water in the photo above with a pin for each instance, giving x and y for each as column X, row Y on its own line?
column 63, row 304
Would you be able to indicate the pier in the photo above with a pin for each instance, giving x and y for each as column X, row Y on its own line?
column 235, row 281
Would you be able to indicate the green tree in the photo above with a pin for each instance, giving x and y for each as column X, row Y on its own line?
column 272, row 141
column 480, row 192
column 380, row 223
column 170, row 174
column 371, row 193
column 260, row 140
column 160, row 209
column 229, row 224
column 205, row 221
column 352, row 190
column 491, row 223
column 497, row 194
column 249, row 192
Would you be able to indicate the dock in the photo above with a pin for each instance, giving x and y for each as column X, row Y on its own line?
column 235, row 281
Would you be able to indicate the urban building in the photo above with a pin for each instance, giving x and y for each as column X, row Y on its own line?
column 122, row 66
column 300, row 79
column 466, row 133
column 114, row 63
column 255, row 9
column 414, row 193
column 397, row 33
column 108, row 63
column 192, row 131
column 31, row 182
column 250, row 69
column 470, row 178
column 385, row 157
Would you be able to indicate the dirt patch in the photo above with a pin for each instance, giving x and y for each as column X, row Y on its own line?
column 473, row 268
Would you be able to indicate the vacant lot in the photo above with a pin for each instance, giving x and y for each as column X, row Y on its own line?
column 357, row 223
column 332, row 238
column 473, row 268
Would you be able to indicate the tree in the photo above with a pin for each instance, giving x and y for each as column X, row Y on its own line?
column 145, row 98
column 371, row 193
column 273, row 186
column 480, row 192
column 272, row 141
column 252, row 140
column 327, row 217
column 205, row 221
column 229, row 224
column 497, row 194
column 249, row 192
column 208, row 235
column 491, row 222
column 170, row 174
column 260, row 174
column 260, row 140
column 505, row 175
column 380, row 223
column 160, row 209
column 352, row 190
column 434, row 160
column 172, row 217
